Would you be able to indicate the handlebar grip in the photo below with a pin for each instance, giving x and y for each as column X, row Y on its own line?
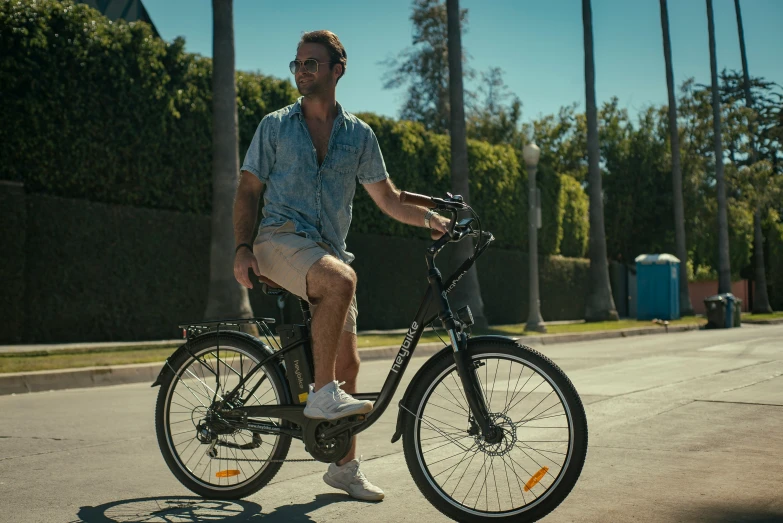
column 410, row 198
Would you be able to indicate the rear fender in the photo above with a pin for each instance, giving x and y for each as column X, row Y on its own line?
column 167, row 371
column 404, row 404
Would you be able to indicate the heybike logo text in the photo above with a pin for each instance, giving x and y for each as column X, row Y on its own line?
column 405, row 348
column 298, row 373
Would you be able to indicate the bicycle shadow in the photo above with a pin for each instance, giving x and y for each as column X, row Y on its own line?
column 299, row 512
column 187, row 509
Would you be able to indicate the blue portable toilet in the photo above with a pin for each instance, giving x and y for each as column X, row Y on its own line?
column 657, row 287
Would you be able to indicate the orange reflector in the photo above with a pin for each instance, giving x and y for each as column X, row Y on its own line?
column 536, row 478
column 227, row 473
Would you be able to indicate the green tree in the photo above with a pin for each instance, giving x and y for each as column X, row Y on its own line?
column 496, row 117
column 599, row 304
column 424, row 67
column 226, row 298
column 576, row 218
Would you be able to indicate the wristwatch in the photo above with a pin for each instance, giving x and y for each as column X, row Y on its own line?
column 428, row 218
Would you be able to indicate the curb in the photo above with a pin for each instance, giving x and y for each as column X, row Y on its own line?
column 772, row 321
column 38, row 381
column 20, row 382
column 84, row 377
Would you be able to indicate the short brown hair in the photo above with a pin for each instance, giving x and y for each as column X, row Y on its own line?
column 328, row 39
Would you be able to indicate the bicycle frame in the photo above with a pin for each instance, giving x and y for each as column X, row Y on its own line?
column 437, row 288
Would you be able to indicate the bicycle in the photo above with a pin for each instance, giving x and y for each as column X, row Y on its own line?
column 477, row 446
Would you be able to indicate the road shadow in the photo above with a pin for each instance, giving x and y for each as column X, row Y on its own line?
column 733, row 513
column 170, row 509
column 298, row 512
column 192, row 509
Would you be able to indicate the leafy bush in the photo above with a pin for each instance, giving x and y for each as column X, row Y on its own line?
column 106, row 111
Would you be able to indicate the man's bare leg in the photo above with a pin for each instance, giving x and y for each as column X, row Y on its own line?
column 347, row 370
column 331, row 285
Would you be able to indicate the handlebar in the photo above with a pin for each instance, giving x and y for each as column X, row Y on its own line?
column 411, row 198
column 451, row 203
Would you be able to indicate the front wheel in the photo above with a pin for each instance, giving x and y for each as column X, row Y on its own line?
column 528, row 465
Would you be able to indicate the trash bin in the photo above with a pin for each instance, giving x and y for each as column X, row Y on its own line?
column 737, row 309
column 723, row 311
column 657, row 287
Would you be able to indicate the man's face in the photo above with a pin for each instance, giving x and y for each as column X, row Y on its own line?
column 321, row 82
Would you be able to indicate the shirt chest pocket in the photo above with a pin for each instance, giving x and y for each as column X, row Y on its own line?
column 344, row 159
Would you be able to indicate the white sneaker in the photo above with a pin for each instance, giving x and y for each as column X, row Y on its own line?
column 350, row 479
column 331, row 402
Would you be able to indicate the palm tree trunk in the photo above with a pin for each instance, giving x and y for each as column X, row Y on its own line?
column 469, row 292
column 724, row 267
column 760, row 297
column 599, row 305
column 226, row 298
column 686, row 309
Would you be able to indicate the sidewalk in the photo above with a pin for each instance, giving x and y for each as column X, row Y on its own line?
column 21, row 382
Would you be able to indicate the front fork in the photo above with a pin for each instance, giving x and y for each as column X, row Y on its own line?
column 473, row 393
column 465, row 368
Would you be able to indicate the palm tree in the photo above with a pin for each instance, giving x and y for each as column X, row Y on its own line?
column 599, row 305
column 760, row 297
column 469, row 292
column 226, row 298
column 724, row 267
column 686, row 309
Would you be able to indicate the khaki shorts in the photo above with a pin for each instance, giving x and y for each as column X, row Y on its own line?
column 285, row 257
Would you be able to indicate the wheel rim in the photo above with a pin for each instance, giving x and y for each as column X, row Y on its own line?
column 515, row 473
column 187, row 403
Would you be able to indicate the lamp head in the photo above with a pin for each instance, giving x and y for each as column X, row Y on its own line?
column 531, row 153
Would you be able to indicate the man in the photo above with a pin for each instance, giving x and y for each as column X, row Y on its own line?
column 309, row 156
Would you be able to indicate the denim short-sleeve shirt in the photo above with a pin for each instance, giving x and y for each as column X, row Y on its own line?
column 317, row 199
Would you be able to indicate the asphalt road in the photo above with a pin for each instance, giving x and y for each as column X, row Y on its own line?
column 684, row 427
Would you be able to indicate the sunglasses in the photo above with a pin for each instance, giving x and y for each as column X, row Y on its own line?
column 310, row 65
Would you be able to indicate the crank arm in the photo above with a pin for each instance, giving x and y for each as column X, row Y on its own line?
column 342, row 427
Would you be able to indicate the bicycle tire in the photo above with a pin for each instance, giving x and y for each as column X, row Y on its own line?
column 191, row 364
column 523, row 459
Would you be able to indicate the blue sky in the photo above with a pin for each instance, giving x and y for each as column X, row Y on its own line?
column 538, row 44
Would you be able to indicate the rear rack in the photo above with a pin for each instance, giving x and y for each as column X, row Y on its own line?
column 192, row 329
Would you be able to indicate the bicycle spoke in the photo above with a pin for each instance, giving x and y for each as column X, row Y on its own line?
column 444, row 408
column 205, row 379
column 474, row 482
column 526, row 401
column 455, row 404
column 494, row 379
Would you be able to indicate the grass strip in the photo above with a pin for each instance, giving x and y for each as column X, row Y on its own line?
column 123, row 355
column 766, row 316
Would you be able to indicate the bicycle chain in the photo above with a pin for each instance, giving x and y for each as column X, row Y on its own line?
column 269, row 460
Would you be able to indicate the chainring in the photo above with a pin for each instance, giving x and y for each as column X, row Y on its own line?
column 327, row 450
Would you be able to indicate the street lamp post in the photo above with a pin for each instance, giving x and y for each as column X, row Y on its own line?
column 531, row 153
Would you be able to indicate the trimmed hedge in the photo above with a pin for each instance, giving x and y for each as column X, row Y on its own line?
column 13, row 216
column 102, row 272
column 108, row 112
column 419, row 161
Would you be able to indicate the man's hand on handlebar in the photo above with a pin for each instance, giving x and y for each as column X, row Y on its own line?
column 244, row 261
column 439, row 225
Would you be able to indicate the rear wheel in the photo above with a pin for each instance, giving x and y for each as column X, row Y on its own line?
column 530, row 464
column 202, row 451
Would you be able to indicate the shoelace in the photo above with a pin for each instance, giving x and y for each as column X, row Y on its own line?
column 362, row 479
column 359, row 475
column 340, row 393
